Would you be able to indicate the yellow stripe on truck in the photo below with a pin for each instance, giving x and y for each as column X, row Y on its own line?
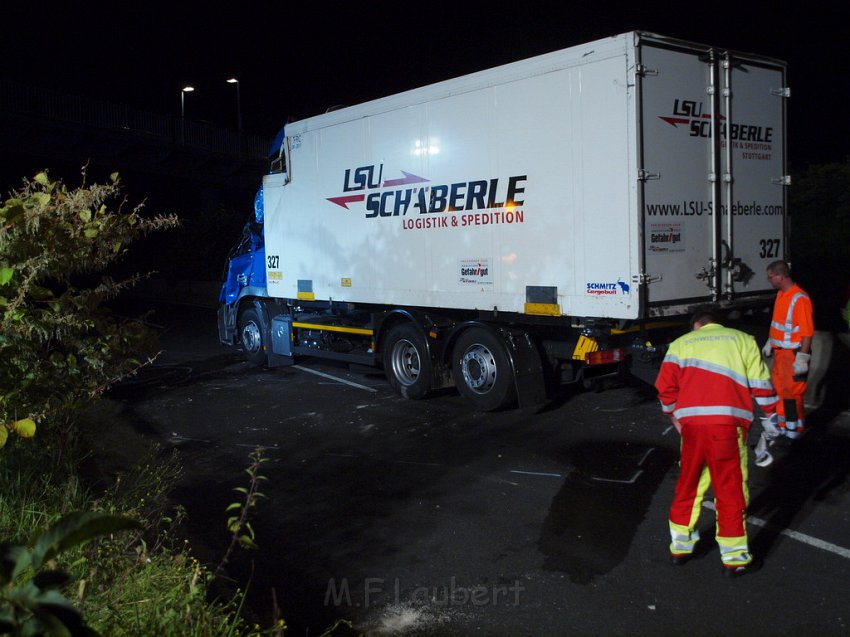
column 334, row 328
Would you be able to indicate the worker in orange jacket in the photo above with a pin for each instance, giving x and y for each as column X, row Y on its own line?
column 707, row 384
column 790, row 343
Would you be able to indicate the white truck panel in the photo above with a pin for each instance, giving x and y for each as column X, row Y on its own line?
column 513, row 186
column 679, row 202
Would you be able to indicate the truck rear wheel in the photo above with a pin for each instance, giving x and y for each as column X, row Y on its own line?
column 251, row 335
column 482, row 371
column 407, row 363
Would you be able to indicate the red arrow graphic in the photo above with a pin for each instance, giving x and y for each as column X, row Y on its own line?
column 346, row 199
column 674, row 121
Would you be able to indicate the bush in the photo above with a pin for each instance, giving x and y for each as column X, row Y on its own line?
column 59, row 346
column 63, row 570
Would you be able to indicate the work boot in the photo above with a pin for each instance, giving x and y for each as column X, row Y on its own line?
column 740, row 570
column 680, row 559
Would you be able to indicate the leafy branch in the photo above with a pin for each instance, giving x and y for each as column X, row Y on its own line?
column 238, row 522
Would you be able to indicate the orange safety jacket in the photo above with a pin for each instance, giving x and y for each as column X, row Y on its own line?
column 792, row 318
column 712, row 376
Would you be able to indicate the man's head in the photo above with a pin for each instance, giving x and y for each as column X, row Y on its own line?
column 702, row 317
column 779, row 275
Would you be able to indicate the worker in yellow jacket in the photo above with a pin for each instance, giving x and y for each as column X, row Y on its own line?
column 707, row 384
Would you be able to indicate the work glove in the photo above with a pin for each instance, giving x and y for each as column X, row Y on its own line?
column 763, row 456
column 769, row 425
column 801, row 364
column 767, row 350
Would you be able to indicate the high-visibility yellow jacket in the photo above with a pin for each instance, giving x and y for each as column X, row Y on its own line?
column 712, row 375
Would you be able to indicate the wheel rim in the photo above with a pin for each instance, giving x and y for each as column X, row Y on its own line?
column 405, row 362
column 478, row 366
column 251, row 337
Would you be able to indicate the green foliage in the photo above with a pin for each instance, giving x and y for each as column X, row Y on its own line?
column 30, row 603
column 59, row 346
column 238, row 523
column 140, row 584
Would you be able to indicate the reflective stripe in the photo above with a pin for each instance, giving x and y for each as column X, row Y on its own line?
column 762, row 401
column 734, row 551
column 715, row 369
column 682, row 539
column 756, row 383
column 735, row 558
column 714, row 410
column 671, row 358
column 788, row 327
column 793, row 429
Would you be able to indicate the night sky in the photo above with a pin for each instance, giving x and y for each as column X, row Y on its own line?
column 296, row 59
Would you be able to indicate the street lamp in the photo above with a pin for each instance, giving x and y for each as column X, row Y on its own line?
column 183, row 91
column 234, row 80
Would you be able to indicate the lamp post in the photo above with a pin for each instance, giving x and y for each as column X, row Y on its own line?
column 183, row 91
column 234, row 80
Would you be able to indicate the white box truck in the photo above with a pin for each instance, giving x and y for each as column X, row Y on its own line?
column 518, row 226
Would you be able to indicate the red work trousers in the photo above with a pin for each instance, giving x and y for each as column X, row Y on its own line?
column 715, row 455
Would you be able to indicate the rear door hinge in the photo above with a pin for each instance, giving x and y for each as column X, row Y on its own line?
column 644, row 70
column 645, row 279
column 645, row 175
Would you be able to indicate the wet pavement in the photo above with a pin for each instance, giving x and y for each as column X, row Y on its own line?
column 426, row 518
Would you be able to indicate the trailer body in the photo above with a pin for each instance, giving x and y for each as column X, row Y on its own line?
column 528, row 222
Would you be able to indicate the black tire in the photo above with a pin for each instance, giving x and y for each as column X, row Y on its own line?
column 253, row 337
column 406, row 362
column 482, row 370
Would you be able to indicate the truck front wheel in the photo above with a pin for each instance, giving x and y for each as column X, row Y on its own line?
column 407, row 363
column 251, row 335
column 482, row 371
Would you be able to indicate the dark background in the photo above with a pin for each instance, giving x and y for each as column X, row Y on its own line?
column 297, row 59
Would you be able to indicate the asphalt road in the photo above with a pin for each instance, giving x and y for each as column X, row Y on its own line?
column 426, row 518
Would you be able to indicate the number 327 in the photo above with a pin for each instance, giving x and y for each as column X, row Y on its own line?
column 769, row 248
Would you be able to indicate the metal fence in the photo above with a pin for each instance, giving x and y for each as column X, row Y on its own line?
column 53, row 105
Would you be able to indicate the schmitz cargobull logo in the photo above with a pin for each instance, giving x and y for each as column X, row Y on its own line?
column 412, row 194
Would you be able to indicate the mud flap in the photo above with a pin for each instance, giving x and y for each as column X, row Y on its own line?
column 280, row 354
column 528, row 370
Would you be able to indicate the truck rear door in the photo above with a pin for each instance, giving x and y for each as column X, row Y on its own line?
column 712, row 127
